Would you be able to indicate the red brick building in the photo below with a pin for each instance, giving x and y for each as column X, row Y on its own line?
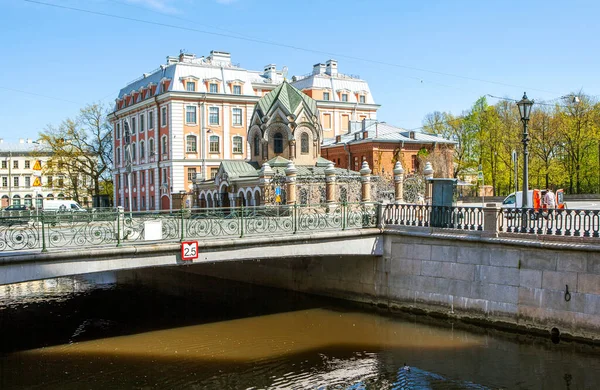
column 381, row 145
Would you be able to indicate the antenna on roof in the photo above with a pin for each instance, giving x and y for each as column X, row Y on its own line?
column 285, row 72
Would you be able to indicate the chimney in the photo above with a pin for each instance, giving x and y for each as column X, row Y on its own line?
column 28, row 140
column 271, row 72
column 1, row 140
column 21, row 141
column 319, row 68
column 338, row 138
column 331, row 67
column 221, row 58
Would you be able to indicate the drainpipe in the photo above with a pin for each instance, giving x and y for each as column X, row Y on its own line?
column 349, row 155
column 157, row 153
column 203, row 136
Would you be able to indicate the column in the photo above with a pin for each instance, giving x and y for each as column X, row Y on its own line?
column 265, row 177
column 428, row 173
column 365, row 179
column 290, row 180
column 293, row 149
column 330, row 183
column 399, row 182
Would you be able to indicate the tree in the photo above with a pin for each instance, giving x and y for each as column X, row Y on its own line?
column 82, row 149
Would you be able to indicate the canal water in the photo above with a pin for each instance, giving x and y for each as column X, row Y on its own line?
column 92, row 333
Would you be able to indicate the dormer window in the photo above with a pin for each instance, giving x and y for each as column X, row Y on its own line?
column 344, row 97
column 190, row 86
column 237, row 89
column 213, row 88
column 362, row 99
column 325, row 95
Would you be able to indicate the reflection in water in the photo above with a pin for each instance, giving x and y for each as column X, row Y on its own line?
column 69, row 334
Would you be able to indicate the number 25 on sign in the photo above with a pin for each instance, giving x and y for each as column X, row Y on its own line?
column 189, row 250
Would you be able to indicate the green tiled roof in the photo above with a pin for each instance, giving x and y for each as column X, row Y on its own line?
column 235, row 169
column 289, row 97
column 278, row 162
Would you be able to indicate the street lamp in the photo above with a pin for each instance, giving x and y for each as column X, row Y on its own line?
column 525, row 109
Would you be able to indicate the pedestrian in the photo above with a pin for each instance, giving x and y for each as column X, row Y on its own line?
column 550, row 199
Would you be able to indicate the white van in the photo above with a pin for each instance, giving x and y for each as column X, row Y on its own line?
column 63, row 206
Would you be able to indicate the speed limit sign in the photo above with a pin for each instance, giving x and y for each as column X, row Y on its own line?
column 189, row 250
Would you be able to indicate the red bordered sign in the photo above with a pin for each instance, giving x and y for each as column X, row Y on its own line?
column 189, row 250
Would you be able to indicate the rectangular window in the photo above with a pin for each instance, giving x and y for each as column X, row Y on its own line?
column 16, row 181
column 118, row 154
column 142, row 123
column 237, row 144
column 327, row 121
column 237, row 89
column 191, row 174
column 150, row 120
column 49, row 181
column 152, row 203
column 325, row 95
column 163, row 116
column 151, row 174
column 362, row 99
column 151, row 147
column 134, row 202
column 344, row 97
column 190, row 114
column 4, row 164
column 133, row 128
column 164, row 176
column 237, row 116
column 213, row 172
column 143, row 202
column 190, row 143
column 4, row 181
column 213, row 116
column 143, row 178
column 118, row 131
column 15, row 164
column 213, row 88
column 27, row 182
column 190, row 86
column 345, row 122
column 214, row 144
column 119, row 181
column 27, row 164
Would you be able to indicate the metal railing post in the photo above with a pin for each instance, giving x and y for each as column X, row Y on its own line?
column 344, row 209
column 44, row 249
column 118, row 227
column 182, row 226
column 242, row 222
column 295, row 218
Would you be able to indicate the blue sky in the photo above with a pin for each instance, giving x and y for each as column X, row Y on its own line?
column 438, row 55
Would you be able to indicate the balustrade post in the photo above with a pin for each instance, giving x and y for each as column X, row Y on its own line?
column 490, row 219
column 182, row 225
column 265, row 178
column 290, row 180
column 365, row 179
column 399, row 182
column 120, row 211
column 295, row 218
column 330, row 184
column 242, row 222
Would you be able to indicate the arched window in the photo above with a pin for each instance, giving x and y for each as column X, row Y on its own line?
column 133, row 155
column 39, row 201
column 17, row 200
column 304, row 143
column 190, row 143
column 151, row 147
column 164, row 145
column 142, row 149
column 256, row 145
column 61, row 196
column 49, row 196
column 28, row 200
column 278, row 143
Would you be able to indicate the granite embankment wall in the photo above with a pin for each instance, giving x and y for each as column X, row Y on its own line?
column 521, row 284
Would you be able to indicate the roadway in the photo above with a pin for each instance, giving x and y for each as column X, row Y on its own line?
column 572, row 205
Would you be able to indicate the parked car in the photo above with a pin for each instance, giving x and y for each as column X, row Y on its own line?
column 17, row 207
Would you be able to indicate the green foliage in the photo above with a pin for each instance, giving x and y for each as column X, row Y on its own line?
column 564, row 147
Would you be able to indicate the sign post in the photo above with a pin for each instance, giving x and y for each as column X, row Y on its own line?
column 189, row 250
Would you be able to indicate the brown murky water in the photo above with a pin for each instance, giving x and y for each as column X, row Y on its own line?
column 93, row 334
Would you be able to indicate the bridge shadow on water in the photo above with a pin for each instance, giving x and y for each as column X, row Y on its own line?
column 217, row 334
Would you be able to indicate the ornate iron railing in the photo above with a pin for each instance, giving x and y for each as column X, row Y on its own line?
column 577, row 223
column 50, row 231
column 464, row 218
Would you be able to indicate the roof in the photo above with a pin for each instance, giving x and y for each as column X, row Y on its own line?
column 288, row 96
column 238, row 169
column 278, row 162
column 25, row 147
column 334, row 84
column 383, row 132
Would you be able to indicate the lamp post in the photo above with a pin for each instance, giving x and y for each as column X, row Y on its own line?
column 128, row 161
column 525, row 109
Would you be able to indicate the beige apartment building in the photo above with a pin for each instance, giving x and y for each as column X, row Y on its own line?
column 183, row 119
